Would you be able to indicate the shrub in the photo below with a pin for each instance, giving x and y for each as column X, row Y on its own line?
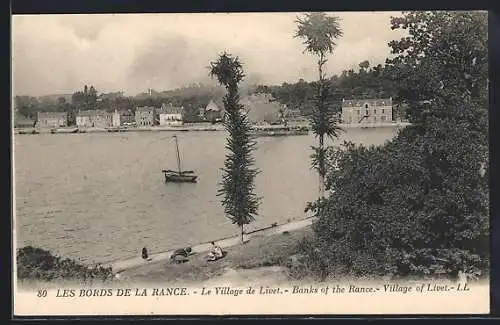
column 38, row 264
column 417, row 205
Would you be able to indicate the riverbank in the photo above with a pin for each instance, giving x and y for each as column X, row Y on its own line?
column 260, row 129
column 263, row 255
column 127, row 264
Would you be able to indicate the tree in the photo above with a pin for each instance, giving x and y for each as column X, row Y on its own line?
column 418, row 204
column 91, row 98
column 319, row 33
column 237, row 186
column 441, row 59
column 27, row 106
column 364, row 65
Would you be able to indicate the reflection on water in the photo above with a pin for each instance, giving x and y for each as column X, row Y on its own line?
column 101, row 197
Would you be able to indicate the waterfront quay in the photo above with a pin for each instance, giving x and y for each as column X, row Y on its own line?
column 194, row 128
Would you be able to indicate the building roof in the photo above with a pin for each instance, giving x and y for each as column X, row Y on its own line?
column 370, row 101
column 261, row 108
column 145, row 109
column 19, row 119
column 92, row 113
column 212, row 106
column 170, row 109
column 291, row 112
column 126, row 112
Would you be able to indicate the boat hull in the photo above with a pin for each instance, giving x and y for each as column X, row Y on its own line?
column 173, row 178
column 279, row 131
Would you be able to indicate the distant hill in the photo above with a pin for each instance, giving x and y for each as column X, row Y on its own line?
column 54, row 98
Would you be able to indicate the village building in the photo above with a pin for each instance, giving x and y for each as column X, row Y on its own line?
column 355, row 111
column 169, row 115
column 201, row 112
column 292, row 114
column 145, row 116
column 23, row 122
column 51, row 119
column 213, row 112
column 127, row 117
column 115, row 119
column 96, row 119
column 262, row 108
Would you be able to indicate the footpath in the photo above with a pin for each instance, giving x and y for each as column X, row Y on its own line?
column 122, row 265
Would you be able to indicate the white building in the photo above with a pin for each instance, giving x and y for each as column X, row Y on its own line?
column 93, row 119
column 367, row 111
column 170, row 115
column 115, row 119
column 262, row 107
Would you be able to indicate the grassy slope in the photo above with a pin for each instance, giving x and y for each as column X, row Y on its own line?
column 259, row 251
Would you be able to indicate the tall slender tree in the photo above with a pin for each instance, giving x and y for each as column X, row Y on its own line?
column 320, row 33
column 238, row 180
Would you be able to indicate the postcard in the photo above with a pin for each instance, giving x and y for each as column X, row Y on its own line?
column 288, row 163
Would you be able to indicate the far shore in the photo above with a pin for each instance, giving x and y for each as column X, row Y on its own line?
column 187, row 128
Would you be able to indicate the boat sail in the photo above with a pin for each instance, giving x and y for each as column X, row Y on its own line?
column 179, row 175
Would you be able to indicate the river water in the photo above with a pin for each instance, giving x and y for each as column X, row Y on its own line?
column 101, row 197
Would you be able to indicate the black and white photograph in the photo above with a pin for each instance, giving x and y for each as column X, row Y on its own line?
column 250, row 163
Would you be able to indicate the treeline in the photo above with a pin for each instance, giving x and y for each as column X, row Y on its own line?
column 368, row 82
column 192, row 98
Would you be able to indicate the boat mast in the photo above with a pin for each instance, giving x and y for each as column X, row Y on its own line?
column 178, row 156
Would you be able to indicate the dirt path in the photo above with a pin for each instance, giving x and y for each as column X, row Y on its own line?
column 123, row 265
column 268, row 275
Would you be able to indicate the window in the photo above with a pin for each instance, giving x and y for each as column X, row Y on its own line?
column 358, row 111
column 382, row 111
column 375, row 111
column 383, row 118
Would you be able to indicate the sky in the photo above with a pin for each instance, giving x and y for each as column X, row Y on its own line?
column 58, row 54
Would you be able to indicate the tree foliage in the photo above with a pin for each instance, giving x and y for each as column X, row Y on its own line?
column 418, row 204
column 38, row 264
column 320, row 33
column 373, row 82
column 444, row 57
column 238, row 180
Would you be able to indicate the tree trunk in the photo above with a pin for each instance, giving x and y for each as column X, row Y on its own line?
column 242, row 234
column 321, row 162
column 321, row 168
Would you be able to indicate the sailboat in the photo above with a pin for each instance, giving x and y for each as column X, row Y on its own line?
column 179, row 175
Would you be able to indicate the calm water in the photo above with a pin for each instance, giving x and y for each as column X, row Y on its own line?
column 101, row 197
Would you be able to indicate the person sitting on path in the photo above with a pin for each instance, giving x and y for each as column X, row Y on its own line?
column 215, row 252
column 180, row 255
column 145, row 253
